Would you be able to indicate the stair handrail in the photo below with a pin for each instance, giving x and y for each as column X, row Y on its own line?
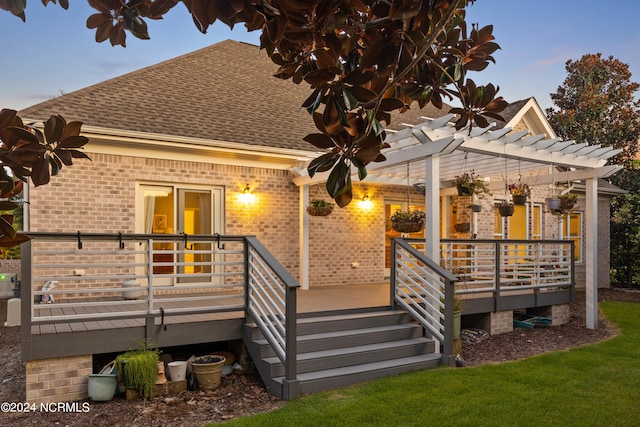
column 426, row 291
column 271, row 302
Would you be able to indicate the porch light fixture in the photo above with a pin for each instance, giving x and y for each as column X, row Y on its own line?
column 366, row 202
column 246, row 196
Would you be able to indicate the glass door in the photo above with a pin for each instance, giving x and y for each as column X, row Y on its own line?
column 194, row 217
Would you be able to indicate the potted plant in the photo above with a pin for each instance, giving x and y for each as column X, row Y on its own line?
column 469, row 184
column 319, row 207
column 139, row 369
column 567, row 201
column 505, row 208
column 553, row 203
column 519, row 192
column 208, row 370
column 408, row 221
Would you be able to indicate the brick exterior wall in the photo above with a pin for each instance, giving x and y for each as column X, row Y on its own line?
column 62, row 379
column 99, row 196
column 495, row 323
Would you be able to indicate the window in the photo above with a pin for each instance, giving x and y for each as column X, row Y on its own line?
column 172, row 209
column 572, row 230
column 536, row 221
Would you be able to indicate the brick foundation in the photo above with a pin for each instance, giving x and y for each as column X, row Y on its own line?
column 559, row 314
column 495, row 323
column 62, row 379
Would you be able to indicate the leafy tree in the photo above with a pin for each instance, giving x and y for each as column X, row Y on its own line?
column 596, row 105
column 361, row 58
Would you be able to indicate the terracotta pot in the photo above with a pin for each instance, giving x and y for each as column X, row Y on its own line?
column 208, row 371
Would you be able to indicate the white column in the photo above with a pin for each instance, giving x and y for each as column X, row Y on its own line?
column 591, row 252
column 432, row 207
column 304, row 237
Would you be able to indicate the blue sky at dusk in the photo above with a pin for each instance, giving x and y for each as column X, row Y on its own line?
column 54, row 52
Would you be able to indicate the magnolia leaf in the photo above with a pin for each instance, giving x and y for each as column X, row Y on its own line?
column 321, row 164
column 338, row 179
column 9, row 242
column 74, row 142
column 6, row 205
column 53, row 128
column 6, row 229
column 319, row 140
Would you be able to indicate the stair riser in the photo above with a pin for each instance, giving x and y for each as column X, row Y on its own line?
column 341, row 341
column 276, row 369
column 307, row 387
column 319, row 324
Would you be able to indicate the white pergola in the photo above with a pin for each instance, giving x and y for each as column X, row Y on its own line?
column 442, row 151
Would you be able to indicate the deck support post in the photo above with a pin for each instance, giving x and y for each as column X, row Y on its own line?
column 591, row 253
column 304, row 237
column 432, row 207
column 291, row 384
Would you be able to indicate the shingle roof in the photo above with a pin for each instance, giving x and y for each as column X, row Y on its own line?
column 510, row 112
column 223, row 92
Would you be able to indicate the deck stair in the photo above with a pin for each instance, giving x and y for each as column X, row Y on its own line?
column 341, row 348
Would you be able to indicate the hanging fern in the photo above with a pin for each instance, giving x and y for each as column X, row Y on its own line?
column 140, row 367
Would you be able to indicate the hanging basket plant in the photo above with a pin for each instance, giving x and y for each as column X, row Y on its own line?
column 462, row 227
column 469, row 184
column 519, row 192
column 319, row 207
column 567, row 201
column 506, row 209
column 408, row 221
column 553, row 203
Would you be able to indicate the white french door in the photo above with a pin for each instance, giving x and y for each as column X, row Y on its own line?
column 175, row 209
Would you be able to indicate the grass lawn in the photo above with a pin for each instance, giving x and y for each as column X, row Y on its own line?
column 595, row 385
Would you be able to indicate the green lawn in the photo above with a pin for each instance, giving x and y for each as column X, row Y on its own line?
column 596, row 385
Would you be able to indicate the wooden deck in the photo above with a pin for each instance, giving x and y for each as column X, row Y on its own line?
column 118, row 334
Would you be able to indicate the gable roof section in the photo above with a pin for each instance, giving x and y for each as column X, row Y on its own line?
column 224, row 92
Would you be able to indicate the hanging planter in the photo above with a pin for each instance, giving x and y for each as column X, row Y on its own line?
column 319, row 207
column 462, row 227
column 476, row 208
column 567, row 201
column 506, row 209
column 408, row 221
column 519, row 199
column 553, row 203
column 519, row 192
column 469, row 184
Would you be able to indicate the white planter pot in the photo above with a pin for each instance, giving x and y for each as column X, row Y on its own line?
column 131, row 294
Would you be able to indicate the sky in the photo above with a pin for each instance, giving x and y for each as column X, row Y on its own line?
column 54, row 53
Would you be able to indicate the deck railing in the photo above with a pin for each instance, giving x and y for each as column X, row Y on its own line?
column 505, row 267
column 80, row 277
column 73, row 277
column 271, row 303
column 426, row 291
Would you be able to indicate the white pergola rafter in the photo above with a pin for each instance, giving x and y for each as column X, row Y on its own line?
column 444, row 152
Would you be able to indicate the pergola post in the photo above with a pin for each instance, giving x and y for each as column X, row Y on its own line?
column 591, row 252
column 432, row 206
column 304, row 237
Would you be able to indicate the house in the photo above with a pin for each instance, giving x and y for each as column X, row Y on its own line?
column 210, row 143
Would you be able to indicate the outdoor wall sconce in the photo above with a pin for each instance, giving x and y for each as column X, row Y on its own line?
column 246, row 196
column 366, row 202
